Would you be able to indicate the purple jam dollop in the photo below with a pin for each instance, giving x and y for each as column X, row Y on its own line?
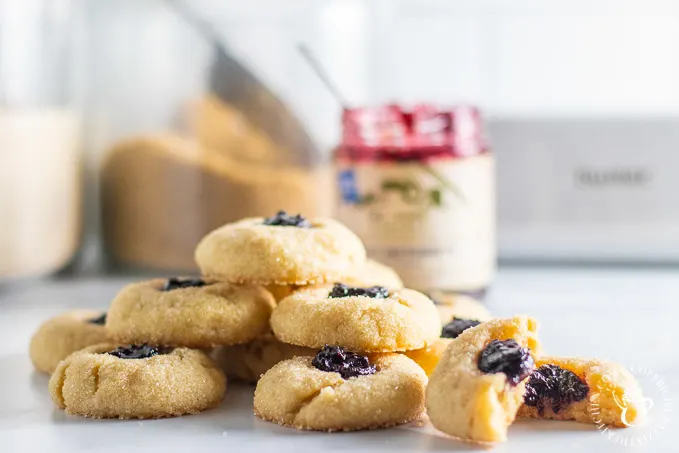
column 348, row 364
column 508, row 357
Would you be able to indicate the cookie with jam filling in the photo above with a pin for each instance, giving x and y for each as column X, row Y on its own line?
column 456, row 314
column 136, row 381
column 338, row 390
column 583, row 390
column 367, row 319
column 64, row 334
column 475, row 391
column 453, row 306
column 282, row 250
column 189, row 312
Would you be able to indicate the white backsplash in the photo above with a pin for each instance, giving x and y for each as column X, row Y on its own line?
column 582, row 99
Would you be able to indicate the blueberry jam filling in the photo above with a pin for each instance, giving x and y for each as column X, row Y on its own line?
column 99, row 320
column 135, row 351
column 553, row 386
column 507, row 357
column 177, row 283
column 348, row 364
column 282, row 218
column 457, row 326
column 342, row 290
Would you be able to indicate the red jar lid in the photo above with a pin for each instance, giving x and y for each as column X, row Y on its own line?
column 391, row 132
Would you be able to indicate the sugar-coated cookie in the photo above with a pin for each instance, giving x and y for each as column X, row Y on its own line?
column 478, row 386
column 340, row 391
column 429, row 356
column 248, row 362
column 105, row 381
column 458, row 313
column 189, row 312
column 281, row 250
column 584, row 390
column 371, row 273
column 64, row 334
column 451, row 306
column 372, row 319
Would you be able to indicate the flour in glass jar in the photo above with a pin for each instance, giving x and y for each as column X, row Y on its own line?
column 40, row 199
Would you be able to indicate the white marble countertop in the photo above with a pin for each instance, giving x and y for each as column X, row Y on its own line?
column 627, row 316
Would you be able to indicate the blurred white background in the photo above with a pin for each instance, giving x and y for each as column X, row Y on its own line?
column 527, row 57
column 581, row 97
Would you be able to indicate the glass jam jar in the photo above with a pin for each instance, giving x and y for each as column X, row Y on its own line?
column 418, row 186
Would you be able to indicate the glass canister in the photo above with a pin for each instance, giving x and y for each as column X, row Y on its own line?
column 417, row 185
column 204, row 113
column 40, row 192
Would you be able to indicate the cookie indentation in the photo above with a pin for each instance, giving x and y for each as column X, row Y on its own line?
column 347, row 364
column 95, row 376
column 342, row 290
column 135, row 351
column 58, row 393
column 99, row 320
column 282, row 218
column 508, row 357
column 553, row 386
column 457, row 326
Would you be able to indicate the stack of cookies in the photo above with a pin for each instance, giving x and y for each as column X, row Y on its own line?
column 332, row 340
column 150, row 355
column 339, row 322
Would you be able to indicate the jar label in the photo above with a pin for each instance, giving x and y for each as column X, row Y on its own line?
column 432, row 221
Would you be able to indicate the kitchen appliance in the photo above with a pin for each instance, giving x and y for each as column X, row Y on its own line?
column 588, row 189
